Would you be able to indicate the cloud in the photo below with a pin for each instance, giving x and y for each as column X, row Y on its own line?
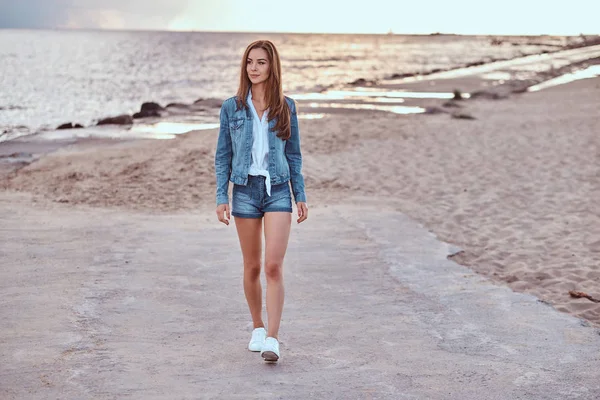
column 402, row 16
column 33, row 13
column 125, row 14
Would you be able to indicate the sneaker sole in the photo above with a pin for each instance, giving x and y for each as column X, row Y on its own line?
column 270, row 356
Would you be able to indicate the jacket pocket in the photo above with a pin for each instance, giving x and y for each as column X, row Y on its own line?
column 236, row 129
column 236, row 124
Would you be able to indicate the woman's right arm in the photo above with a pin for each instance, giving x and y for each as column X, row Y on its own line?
column 223, row 157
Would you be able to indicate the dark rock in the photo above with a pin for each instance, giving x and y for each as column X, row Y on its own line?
column 483, row 94
column 451, row 104
column 435, row 110
column 459, row 115
column 214, row 103
column 475, row 64
column 149, row 107
column 400, row 76
column 149, row 110
column 359, row 82
column 363, row 82
column 146, row 114
column 521, row 86
column 457, row 95
column 118, row 120
column 521, row 89
column 178, row 105
column 69, row 125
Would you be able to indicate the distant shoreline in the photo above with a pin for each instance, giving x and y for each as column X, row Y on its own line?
column 21, row 131
column 62, row 29
column 212, row 103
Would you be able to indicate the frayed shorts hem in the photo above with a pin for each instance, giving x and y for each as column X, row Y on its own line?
column 257, row 215
column 241, row 215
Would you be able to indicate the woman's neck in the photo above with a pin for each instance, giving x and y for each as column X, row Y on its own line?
column 258, row 93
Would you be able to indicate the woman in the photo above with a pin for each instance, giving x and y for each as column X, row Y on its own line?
column 259, row 151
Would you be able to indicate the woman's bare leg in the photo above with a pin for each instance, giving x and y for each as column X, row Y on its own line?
column 249, row 234
column 277, row 233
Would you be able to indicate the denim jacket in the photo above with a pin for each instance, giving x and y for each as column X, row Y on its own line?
column 234, row 146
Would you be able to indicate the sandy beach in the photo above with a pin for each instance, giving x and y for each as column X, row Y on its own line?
column 436, row 263
column 516, row 188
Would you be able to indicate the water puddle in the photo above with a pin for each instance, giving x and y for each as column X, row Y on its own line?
column 497, row 76
column 371, row 94
column 355, row 106
column 590, row 72
column 403, row 94
column 311, row 116
column 168, row 130
column 364, row 98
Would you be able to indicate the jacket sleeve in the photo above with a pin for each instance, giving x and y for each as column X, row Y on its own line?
column 223, row 157
column 294, row 157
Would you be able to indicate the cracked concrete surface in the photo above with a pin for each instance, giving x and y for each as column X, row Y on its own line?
column 110, row 304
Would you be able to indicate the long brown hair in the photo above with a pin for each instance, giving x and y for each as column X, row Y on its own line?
column 278, row 107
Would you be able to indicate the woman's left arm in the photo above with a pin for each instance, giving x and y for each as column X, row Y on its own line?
column 294, row 158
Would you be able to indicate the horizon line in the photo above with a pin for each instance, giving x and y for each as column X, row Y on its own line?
column 390, row 33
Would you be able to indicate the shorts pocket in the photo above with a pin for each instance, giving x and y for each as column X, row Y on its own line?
column 281, row 191
column 242, row 192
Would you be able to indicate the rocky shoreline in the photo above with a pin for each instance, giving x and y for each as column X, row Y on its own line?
column 17, row 155
column 152, row 109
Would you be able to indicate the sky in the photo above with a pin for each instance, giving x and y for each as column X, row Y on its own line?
column 504, row 17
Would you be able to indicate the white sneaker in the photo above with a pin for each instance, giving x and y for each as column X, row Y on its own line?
column 258, row 339
column 270, row 350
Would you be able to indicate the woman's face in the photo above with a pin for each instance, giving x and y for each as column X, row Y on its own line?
column 257, row 66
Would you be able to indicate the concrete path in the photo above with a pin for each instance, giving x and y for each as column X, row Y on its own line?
column 104, row 304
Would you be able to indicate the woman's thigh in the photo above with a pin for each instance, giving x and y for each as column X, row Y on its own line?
column 250, row 235
column 277, row 234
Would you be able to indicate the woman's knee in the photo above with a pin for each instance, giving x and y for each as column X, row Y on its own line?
column 273, row 270
column 252, row 269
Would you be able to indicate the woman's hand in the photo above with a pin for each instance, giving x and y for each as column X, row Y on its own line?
column 302, row 211
column 223, row 213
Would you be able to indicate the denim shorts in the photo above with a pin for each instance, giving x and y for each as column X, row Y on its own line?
column 252, row 201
